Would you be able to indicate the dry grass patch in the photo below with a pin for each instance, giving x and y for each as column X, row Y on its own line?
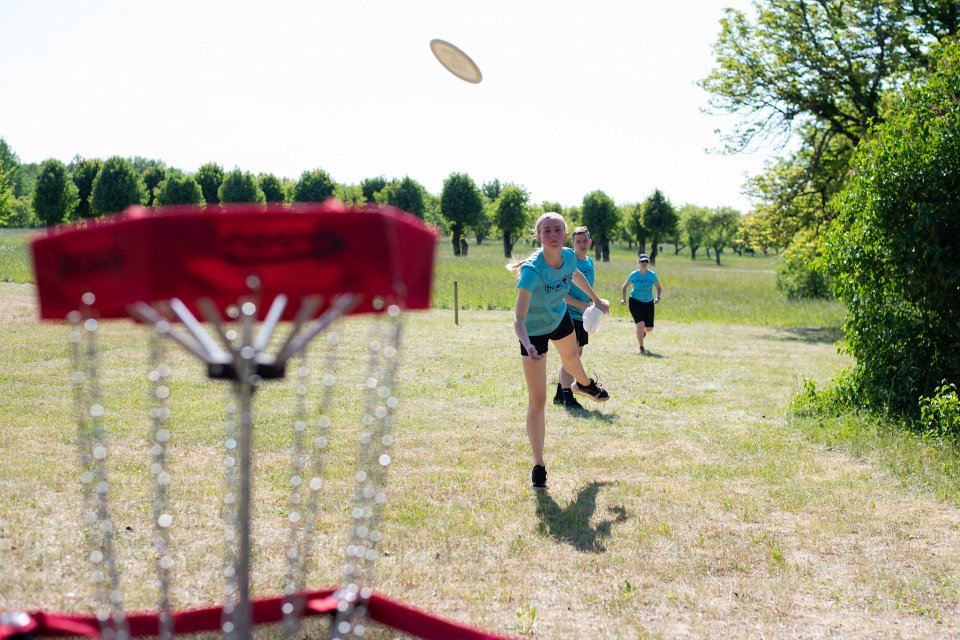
column 684, row 507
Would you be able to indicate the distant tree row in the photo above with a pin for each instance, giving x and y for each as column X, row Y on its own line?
column 52, row 193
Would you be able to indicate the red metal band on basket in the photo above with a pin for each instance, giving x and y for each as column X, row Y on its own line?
column 265, row 611
column 152, row 255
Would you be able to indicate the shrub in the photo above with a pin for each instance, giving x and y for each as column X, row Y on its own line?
column 893, row 251
column 940, row 413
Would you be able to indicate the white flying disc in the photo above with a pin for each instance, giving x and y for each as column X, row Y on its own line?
column 456, row 61
column 591, row 319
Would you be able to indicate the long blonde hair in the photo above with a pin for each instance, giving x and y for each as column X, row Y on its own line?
column 514, row 265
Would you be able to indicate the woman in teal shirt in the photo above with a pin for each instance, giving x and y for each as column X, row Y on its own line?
column 541, row 317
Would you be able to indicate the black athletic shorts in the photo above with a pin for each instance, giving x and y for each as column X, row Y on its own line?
column 542, row 343
column 583, row 338
column 642, row 312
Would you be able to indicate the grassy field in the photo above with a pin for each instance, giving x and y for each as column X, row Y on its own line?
column 14, row 263
column 687, row 506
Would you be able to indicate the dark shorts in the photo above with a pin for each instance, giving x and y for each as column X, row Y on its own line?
column 542, row 343
column 642, row 312
column 583, row 338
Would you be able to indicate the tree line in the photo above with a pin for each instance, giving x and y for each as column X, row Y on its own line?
column 53, row 193
column 864, row 97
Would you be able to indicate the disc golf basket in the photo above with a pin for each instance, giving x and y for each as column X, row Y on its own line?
column 245, row 289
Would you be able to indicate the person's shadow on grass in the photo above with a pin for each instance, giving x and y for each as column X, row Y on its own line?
column 571, row 524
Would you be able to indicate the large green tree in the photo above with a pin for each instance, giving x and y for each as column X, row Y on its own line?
column 55, row 195
column 461, row 203
column 815, row 74
column 210, row 176
column 240, row 186
column 659, row 219
column 724, row 222
column 511, row 215
column 693, row 224
column 179, row 189
column 272, row 187
column 406, row 194
column 116, row 187
column 152, row 176
column 84, row 172
column 372, row 186
column 893, row 252
column 314, row 186
column 601, row 215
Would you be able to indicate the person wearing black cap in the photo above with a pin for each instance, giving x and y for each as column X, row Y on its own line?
column 642, row 300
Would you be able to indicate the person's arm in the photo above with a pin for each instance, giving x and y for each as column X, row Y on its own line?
column 573, row 302
column 520, row 322
column 623, row 291
column 581, row 281
column 659, row 291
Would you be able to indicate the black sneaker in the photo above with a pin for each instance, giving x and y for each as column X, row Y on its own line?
column 594, row 390
column 558, row 398
column 570, row 402
column 538, row 477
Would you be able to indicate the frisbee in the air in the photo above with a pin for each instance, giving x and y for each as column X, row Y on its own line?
column 456, row 61
column 591, row 319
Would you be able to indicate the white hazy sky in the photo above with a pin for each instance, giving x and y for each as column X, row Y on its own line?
column 576, row 95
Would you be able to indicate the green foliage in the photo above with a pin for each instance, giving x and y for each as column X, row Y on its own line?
column 940, row 413
column 461, row 204
column 722, row 229
column 694, row 223
column 240, row 186
column 817, row 74
column 351, row 194
column 209, row 176
column 55, row 194
column 602, row 216
column 894, row 250
column 372, row 186
column 272, row 188
column 84, row 172
column 797, row 274
column 8, row 159
column 7, row 198
column 152, row 176
column 633, row 225
column 314, row 186
column 179, row 189
column 116, row 187
column 491, row 190
column 511, row 215
column 659, row 219
column 406, row 195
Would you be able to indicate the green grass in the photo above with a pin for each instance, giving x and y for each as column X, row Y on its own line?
column 741, row 291
column 687, row 506
column 14, row 261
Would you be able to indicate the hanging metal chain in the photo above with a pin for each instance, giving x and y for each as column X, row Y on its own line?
column 306, row 459
column 159, row 371
column 231, row 492
column 376, row 438
column 91, row 440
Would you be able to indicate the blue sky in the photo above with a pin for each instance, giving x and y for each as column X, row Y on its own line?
column 576, row 96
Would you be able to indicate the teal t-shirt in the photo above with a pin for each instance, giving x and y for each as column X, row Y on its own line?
column 548, row 288
column 586, row 268
column 642, row 285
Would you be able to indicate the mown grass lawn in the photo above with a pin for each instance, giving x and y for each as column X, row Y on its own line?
column 687, row 506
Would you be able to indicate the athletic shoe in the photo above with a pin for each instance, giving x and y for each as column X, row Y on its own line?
column 570, row 402
column 642, row 351
column 594, row 390
column 558, row 398
column 538, row 477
